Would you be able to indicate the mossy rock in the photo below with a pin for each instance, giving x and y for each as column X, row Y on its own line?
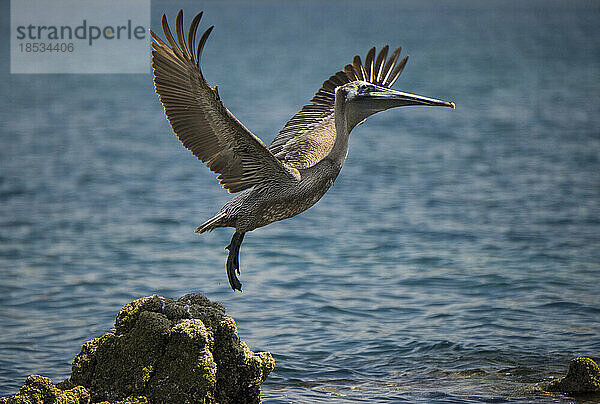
column 184, row 351
column 583, row 377
column 160, row 351
column 40, row 390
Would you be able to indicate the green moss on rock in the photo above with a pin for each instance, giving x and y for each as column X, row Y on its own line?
column 160, row 351
column 172, row 351
column 187, row 371
column 129, row 400
column 583, row 377
column 40, row 390
column 118, row 364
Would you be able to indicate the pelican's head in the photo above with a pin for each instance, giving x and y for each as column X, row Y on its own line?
column 360, row 99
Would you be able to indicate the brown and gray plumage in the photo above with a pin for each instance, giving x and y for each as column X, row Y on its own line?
column 291, row 175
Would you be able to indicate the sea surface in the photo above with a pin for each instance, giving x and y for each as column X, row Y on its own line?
column 456, row 259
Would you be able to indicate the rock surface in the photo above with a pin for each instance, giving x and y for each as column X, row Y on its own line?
column 160, row 351
column 39, row 389
column 583, row 377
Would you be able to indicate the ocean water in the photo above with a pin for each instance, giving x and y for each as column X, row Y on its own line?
column 456, row 259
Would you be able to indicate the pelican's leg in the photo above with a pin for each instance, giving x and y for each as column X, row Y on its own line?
column 233, row 261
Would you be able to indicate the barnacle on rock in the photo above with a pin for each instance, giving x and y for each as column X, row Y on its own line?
column 160, row 351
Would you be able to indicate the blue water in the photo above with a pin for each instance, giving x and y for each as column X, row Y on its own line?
column 456, row 259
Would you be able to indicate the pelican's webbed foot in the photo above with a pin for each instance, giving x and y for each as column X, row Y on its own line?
column 233, row 261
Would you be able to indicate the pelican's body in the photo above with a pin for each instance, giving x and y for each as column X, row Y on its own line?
column 302, row 163
column 262, row 205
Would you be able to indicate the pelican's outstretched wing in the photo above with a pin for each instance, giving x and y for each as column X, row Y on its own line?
column 310, row 134
column 201, row 121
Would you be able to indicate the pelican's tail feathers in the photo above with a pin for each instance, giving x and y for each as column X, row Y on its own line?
column 214, row 223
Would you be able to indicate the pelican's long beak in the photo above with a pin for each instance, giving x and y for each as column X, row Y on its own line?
column 385, row 98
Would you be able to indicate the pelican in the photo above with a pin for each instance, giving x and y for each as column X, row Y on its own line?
column 289, row 176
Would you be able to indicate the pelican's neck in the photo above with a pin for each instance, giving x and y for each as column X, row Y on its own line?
column 339, row 150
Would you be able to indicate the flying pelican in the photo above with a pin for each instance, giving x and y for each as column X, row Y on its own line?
column 295, row 171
